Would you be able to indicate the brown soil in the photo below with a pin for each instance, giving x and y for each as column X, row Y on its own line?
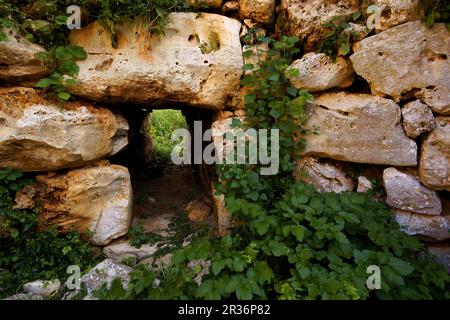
column 158, row 200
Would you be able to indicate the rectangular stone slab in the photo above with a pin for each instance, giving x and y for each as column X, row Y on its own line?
column 197, row 61
column 359, row 128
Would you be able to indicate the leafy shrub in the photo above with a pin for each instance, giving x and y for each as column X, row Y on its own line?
column 25, row 253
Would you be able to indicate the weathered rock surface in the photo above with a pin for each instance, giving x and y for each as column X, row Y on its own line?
column 318, row 72
column 441, row 254
column 105, row 272
column 197, row 62
column 323, row 176
column 364, row 184
column 261, row 11
column 120, row 249
column 417, row 118
column 359, row 128
column 197, row 211
column 434, row 167
column 405, row 192
column 97, row 199
column 230, row 7
column 18, row 59
column 25, row 198
column 37, row 134
column 24, row 296
column 436, row 227
column 395, row 12
column 305, row 18
column 408, row 60
column 42, row 288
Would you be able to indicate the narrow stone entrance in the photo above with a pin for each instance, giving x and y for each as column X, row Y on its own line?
column 171, row 203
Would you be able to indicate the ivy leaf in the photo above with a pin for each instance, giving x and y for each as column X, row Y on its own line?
column 217, row 266
column 278, row 249
column 243, row 292
column 261, row 226
column 44, row 83
column 238, row 264
column 248, row 67
column 400, row 266
column 291, row 91
column 273, row 76
column 64, row 95
column 263, row 272
column 250, row 98
column 298, row 232
column 356, row 15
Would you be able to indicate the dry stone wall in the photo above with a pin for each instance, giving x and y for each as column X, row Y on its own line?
column 386, row 103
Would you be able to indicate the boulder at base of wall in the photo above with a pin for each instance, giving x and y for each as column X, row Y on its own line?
column 434, row 167
column 435, row 227
column 37, row 134
column 197, row 61
column 410, row 60
column 96, row 199
column 405, row 192
column 18, row 60
column 358, row 128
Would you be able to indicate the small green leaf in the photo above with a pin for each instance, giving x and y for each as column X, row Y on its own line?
column 273, row 76
column 64, row 95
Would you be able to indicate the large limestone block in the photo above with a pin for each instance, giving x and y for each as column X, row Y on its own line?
column 305, row 18
column 95, row 199
column 197, row 61
column 359, row 128
column 434, row 167
column 405, row 192
column 318, row 72
column 409, row 60
column 18, row 60
column 37, row 134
